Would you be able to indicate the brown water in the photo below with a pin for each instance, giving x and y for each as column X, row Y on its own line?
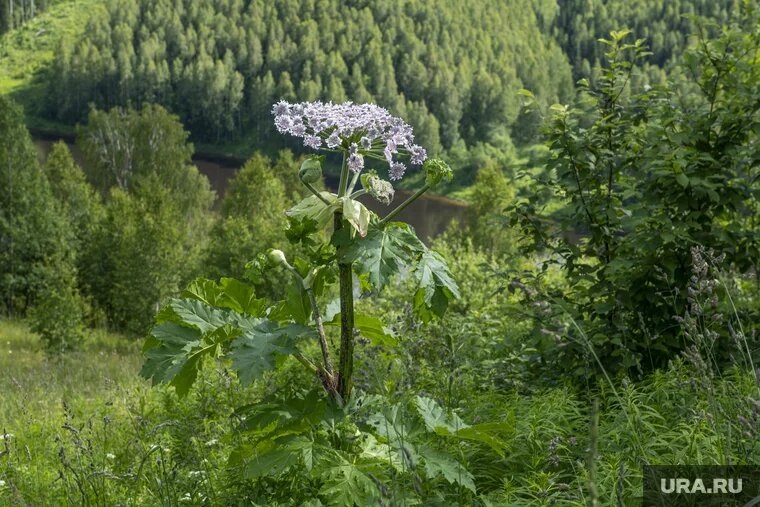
column 430, row 215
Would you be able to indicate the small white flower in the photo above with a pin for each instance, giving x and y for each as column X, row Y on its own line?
column 110, row 456
column 211, row 442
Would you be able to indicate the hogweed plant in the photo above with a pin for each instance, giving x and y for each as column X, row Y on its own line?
column 343, row 242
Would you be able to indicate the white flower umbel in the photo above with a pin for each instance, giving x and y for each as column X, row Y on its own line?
column 362, row 130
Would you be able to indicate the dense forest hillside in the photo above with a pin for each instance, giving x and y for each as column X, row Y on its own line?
column 664, row 24
column 453, row 71
column 14, row 13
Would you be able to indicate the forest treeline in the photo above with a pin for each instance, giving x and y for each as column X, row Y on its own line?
column 14, row 13
column 664, row 25
column 452, row 70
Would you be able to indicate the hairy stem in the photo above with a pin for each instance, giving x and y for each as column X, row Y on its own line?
column 404, row 204
column 320, row 331
column 346, row 361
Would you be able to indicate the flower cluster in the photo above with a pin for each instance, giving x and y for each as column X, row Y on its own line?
column 359, row 129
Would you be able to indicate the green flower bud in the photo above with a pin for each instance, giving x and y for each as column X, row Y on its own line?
column 436, row 170
column 278, row 257
column 311, row 170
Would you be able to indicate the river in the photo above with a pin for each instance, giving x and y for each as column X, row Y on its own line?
column 430, row 215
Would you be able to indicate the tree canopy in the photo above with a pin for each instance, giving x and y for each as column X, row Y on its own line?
column 452, row 70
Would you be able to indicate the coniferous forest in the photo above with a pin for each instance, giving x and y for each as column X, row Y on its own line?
column 312, row 252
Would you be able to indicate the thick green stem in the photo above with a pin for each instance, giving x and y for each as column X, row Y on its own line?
column 346, row 361
column 353, row 183
column 343, row 185
column 404, row 204
column 320, row 331
column 316, row 192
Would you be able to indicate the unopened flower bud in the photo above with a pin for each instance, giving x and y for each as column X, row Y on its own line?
column 278, row 257
column 311, row 170
column 436, row 170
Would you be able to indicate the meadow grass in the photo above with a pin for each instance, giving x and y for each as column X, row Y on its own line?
column 26, row 50
column 85, row 429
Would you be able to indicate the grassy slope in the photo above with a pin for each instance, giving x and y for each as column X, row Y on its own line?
column 27, row 50
column 89, row 416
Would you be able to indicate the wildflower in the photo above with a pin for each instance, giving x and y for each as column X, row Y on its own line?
column 333, row 140
column 110, row 456
column 418, row 154
column 371, row 125
column 312, row 141
column 355, row 160
column 397, row 171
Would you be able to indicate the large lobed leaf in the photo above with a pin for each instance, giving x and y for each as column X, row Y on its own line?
column 190, row 329
column 384, row 251
column 392, row 248
column 450, row 425
column 436, row 286
column 439, row 463
column 259, row 347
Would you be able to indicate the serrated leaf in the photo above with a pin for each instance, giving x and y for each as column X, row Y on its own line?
column 198, row 314
column 273, row 418
column 357, row 215
column 383, row 251
column 276, row 457
column 173, row 354
column 204, row 290
column 312, row 208
column 369, row 327
column 485, row 434
column 344, row 484
column 450, row 425
column 682, row 180
column 240, row 297
column 436, row 286
column 398, row 431
column 258, row 349
column 438, row 463
column 436, row 419
column 165, row 356
column 373, row 449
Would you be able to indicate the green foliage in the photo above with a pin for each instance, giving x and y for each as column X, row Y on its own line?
column 37, row 258
column 58, row 317
column 647, row 175
column 663, row 25
column 250, row 218
column 221, row 66
column 153, row 233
